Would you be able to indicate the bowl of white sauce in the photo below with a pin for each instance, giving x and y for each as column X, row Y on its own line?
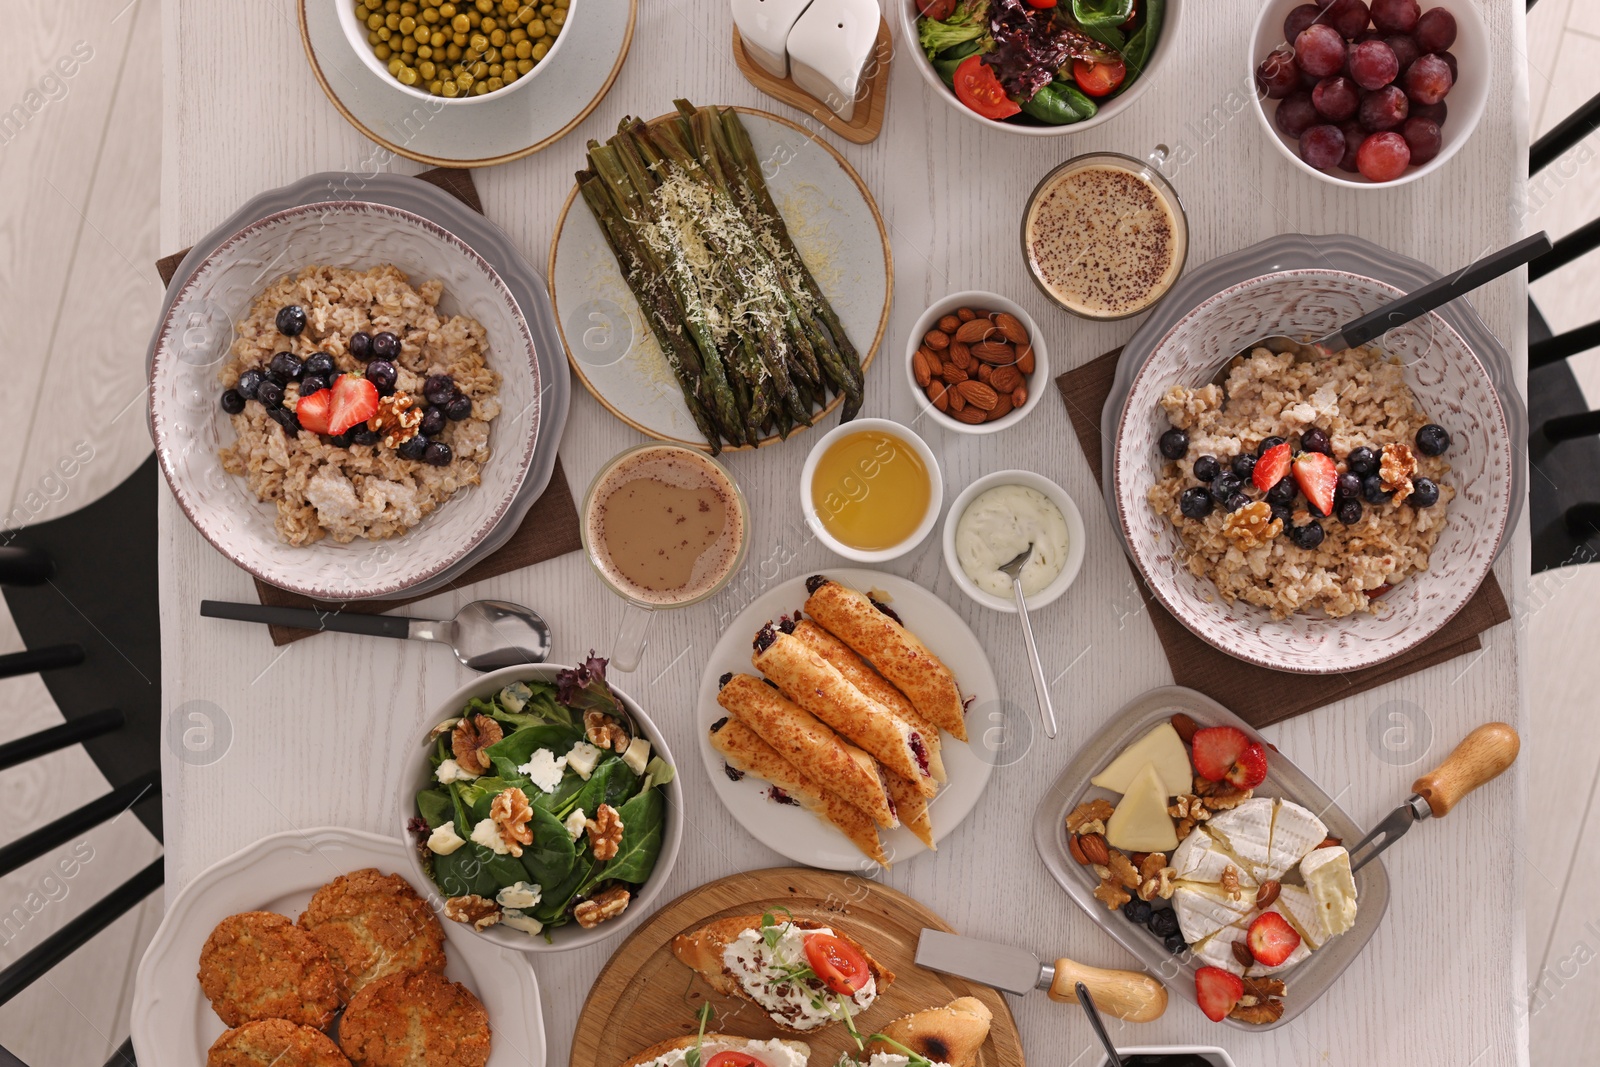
column 994, row 519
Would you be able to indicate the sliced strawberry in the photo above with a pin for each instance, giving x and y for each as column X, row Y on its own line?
column 1272, row 940
column 1317, row 477
column 313, row 411
column 1218, row 992
column 1271, row 467
column 1250, row 768
column 355, row 400
column 1215, row 749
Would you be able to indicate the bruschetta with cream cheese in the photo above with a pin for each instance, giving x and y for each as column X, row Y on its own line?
column 745, row 1051
column 946, row 1037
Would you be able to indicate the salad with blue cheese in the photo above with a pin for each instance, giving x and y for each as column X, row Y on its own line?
column 545, row 808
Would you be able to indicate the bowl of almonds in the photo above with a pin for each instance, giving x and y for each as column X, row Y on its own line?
column 974, row 360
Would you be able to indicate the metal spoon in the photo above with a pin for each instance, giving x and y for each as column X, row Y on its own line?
column 1407, row 308
column 1093, row 1013
column 1013, row 570
column 485, row 635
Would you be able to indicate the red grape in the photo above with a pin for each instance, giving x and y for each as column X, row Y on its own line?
column 1423, row 138
column 1384, row 109
column 1324, row 3
column 1383, row 157
column 1322, row 146
column 1307, row 81
column 1395, row 16
column 1435, row 113
column 1436, row 30
column 1354, row 134
column 1336, row 98
column 1405, row 49
column 1450, row 61
column 1319, row 50
column 1349, row 17
column 1428, row 80
column 1373, row 64
column 1277, row 77
column 1298, row 19
column 1296, row 114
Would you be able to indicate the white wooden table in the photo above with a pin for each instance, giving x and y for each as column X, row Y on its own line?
column 319, row 729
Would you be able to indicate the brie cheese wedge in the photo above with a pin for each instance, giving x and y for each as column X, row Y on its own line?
column 1140, row 822
column 1295, row 904
column 1295, row 832
column 1246, row 832
column 1162, row 748
column 1197, row 860
column 1202, row 910
column 1332, row 886
column 1217, row 950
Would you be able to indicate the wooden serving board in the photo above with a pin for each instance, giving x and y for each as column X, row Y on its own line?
column 645, row 995
column 867, row 121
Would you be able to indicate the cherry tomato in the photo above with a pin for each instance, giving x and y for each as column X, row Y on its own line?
column 978, row 88
column 1042, row 3
column 1098, row 79
column 734, row 1059
column 835, row 961
column 938, row 10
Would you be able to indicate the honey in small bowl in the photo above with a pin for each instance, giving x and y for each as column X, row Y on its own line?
column 871, row 490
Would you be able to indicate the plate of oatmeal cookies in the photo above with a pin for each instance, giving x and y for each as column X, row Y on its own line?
column 1312, row 511
column 306, row 948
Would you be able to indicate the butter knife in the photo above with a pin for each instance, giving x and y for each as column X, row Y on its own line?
column 1128, row 995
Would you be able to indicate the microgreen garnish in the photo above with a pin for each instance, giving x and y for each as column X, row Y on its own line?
column 693, row 1057
column 770, row 933
column 849, row 1022
column 916, row 1060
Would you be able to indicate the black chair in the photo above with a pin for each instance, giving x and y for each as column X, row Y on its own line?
column 82, row 590
column 1563, row 435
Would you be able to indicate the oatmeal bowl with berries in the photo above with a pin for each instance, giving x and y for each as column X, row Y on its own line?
column 345, row 400
column 1307, row 510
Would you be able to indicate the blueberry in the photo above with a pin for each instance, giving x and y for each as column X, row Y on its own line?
column 1174, row 444
column 359, row 346
column 439, row 389
column 1349, row 511
column 1315, row 440
column 1224, row 486
column 1424, row 493
column 285, row 418
column 1164, row 923
column 312, row 383
column 1177, row 945
column 432, row 421
column 1244, row 464
column 1348, row 487
column 1207, row 468
column 363, row 436
column 270, row 393
column 1271, row 442
column 232, row 402
column 287, row 366
column 291, row 320
column 248, row 382
column 1195, row 503
column 385, row 345
column 1433, row 440
column 320, row 363
column 381, row 373
column 1282, row 513
column 1237, row 501
column 341, row 441
column 274, row 377
column 413, row 448
column 1307, row 536
column 460, row 407
column 1362, row 460
column 1141, row 912
column 1372, row 490
column 1283, row 492
column 1127, row 909
column 437, row 454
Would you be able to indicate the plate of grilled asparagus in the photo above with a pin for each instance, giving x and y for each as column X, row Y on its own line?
column 721, row 278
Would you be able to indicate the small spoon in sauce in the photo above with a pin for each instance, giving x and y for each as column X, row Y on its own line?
column 1114, row 1059
column 1041, row 690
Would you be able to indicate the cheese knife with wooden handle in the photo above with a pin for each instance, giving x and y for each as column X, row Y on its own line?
column 1128, row 995
column 1480, row 757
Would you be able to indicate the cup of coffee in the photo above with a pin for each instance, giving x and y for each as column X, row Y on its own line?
column 664, row 526
column 1105, row 235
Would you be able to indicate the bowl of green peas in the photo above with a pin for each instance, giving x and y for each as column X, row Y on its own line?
column 456, row 51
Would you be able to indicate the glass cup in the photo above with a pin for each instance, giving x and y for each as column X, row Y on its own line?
column 681, row 465
column 1139, row 291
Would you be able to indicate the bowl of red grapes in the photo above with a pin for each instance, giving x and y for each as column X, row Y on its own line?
column 1370, row 92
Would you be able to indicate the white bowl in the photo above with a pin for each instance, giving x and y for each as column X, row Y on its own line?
column 1451, row 386
column 355, row 32
column 1166, row 46
column 417, row 776
column 188, row 426
column 1057, row 496
column 989, row 302
column 1467, row 100
column 935, row 499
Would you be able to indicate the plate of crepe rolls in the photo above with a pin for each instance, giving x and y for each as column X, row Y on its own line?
column 833, row 713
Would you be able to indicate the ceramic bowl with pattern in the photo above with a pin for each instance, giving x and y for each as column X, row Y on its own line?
column 1451, row 386
column 188, row 426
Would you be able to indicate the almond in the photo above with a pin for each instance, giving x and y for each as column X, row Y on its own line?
column 1242, row 953
column 920, row 369
column 939, row 395
column 957, row 401
column 1094, row 846
column 978, row 395
column 965, row 314
column 1002, row 408
column 961, row 355
column 1330, row 841
column 983, row 313
column 972, row 416
column 1076, row 848
column 1011, row 327
column 937, row 340
column 1019, row 396
column 996, row 352
column 954, row 374
column 1005, row 379
column 985, row 372
column 1268, row 893
column 950, row 324
column 1025, row 359
column 974, row 331
column 1185, row 726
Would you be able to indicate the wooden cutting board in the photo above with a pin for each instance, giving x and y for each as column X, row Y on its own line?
column 645, row 995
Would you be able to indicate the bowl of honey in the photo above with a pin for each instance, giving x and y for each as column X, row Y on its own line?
column 871, row 490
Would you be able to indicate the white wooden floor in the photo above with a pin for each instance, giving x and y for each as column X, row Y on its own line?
column 80, row 180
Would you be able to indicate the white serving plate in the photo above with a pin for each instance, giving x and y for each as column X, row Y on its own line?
column 796, row 833
column 172, row 1020
column 835, row 225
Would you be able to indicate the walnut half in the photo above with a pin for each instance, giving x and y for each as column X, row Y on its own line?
column 606, row 904
column 1089, row 811
column 605, row 832
column 481, row 912
column 602, row 731
column 470, row 737
column 511, row 811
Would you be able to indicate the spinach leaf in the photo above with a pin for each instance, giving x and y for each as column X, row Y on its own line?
column 464, row 819
column 556, row 801
column 519, row 745
column 479, row 795
column 1100, row 19
column 435, row 807
column 550, row 858
column 1143, row 42
column 473, row 869
column 553, row 905
column 643, row 821
column 611, row 783
column 507, row 772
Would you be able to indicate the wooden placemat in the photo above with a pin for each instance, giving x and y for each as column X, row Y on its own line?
column 645, row 994
column 550, row 528
column 1258, row 695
